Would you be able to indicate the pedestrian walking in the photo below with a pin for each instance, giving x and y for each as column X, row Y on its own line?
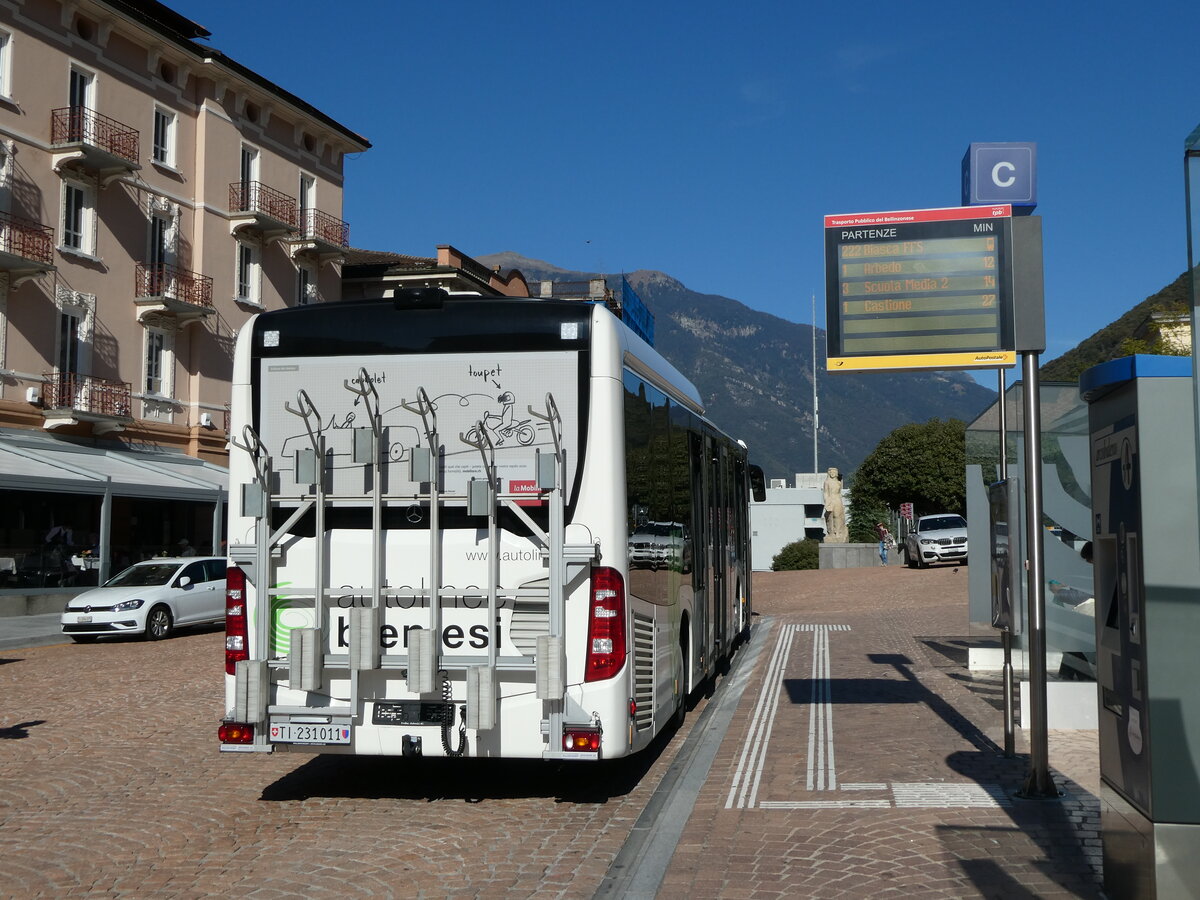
column 885, row 541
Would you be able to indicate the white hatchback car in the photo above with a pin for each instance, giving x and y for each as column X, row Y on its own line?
column 150, row 598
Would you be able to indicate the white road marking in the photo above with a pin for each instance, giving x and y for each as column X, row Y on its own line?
column 825, row 804
column 822, row 771
column 754, row 747
column 917, row 795
column 955, row 795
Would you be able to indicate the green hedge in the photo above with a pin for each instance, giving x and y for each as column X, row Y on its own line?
column 797, row 555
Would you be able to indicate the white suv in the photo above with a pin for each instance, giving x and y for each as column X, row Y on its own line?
column 939, row 538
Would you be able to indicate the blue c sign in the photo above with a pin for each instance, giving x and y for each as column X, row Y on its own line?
column 1000, row 173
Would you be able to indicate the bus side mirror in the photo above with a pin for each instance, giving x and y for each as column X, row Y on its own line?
column 758, row 484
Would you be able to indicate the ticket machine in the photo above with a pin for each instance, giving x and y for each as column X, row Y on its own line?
column 1146, row 556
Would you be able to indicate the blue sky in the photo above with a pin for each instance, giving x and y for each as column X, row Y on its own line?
column 707, row 140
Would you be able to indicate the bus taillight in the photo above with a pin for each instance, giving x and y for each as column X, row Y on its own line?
column 235, row 733
column 236, row 636
column 606, row 625
column 581, row 740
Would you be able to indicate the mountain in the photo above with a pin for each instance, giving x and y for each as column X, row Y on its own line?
column 1114, row 339
column 754, row 372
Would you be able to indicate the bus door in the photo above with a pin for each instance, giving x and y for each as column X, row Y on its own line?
column 702, row 586
column 741, row 543
column 718, row 543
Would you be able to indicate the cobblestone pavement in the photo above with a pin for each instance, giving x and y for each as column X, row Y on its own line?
column 862, row 762
column 111, row 783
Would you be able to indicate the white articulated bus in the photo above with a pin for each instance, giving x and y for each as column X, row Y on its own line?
column 466, row 526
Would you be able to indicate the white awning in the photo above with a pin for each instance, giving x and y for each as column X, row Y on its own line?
column 33, row 461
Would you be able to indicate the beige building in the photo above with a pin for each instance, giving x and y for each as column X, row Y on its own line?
column 153, row 195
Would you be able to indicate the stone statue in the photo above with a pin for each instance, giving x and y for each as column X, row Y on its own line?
column 835, row 512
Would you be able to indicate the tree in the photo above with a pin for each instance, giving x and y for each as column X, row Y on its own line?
column 922, row 464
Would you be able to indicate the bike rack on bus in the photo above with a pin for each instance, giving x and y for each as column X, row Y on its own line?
column 567, row 561
column 368, row 449
column 481, row 680
column 423, row 655
column 306, row 651
column 306, row 661
column 252, row 676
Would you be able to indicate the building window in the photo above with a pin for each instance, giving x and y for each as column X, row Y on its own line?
column 159, row 226
column 68, row 358
column 155, row 351
column 6, row 89
column 76, row 313
column 307, row 198
column 81, row 96
column 306, row 285
column 249, row 164
column 6, row 176
column 78, row 217
column 164, row 136
column 82, row 89
column 246, row 279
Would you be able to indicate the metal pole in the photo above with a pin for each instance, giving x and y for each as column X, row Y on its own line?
column 1038, row 783
column 1191, row 171
column 1010, row 723
column 1003, row 428
column 105, row 548
column 217, row 519
column 816, row 412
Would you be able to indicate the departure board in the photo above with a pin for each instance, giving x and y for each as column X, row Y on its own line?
column 920, row 289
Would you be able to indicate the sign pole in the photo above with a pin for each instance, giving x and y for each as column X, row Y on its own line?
column 1038, row 783
column 1010, row 724
column 816, row 409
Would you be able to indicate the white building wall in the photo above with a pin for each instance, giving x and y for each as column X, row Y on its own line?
column 781, row 519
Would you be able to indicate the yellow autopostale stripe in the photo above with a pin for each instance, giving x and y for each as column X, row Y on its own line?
column 993, row 359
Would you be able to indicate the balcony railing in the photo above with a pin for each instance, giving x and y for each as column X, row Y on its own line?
column 80, row 125
column 87, row 394
column 256, row 198
column 174, row 284
column 324, row 228
column 26, row 239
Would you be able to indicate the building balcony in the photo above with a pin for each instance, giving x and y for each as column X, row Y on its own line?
column 262, row 210
column 321, row 235
column 164, row 292
column 26, row 248
column 69, row 398
column 85, row 140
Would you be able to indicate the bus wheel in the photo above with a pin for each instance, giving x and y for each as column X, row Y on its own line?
column 682, row 685
column 685, row 664
column 680, row 713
